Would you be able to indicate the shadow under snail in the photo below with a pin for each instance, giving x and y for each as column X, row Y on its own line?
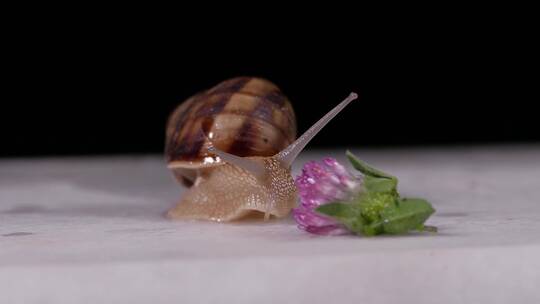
column 233, row 145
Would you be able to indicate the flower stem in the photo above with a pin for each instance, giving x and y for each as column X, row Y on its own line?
column 430, row 229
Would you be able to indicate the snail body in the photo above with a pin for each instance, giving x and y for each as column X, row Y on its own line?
column 233, row 145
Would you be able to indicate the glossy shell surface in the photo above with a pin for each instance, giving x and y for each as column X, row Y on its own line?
column 244, row 116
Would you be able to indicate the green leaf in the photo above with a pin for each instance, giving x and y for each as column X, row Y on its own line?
column 345, row 213
column 409, row 215
column 381, row 185
column 367, row 169
column 336, row 210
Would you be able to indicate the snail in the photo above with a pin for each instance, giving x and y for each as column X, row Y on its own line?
column 233, row 145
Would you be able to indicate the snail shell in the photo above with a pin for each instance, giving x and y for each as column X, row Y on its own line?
column 244, row 116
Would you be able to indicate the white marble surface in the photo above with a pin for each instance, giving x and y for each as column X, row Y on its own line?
column 91, row 230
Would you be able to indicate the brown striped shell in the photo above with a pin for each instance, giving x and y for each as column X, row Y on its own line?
column 244, row 116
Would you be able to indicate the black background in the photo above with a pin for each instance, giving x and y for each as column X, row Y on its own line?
column 89, row 88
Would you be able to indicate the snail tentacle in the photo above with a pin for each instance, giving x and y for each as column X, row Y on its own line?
column 289, row 154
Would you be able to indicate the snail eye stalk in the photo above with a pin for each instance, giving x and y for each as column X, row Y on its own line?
column 289, row 154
